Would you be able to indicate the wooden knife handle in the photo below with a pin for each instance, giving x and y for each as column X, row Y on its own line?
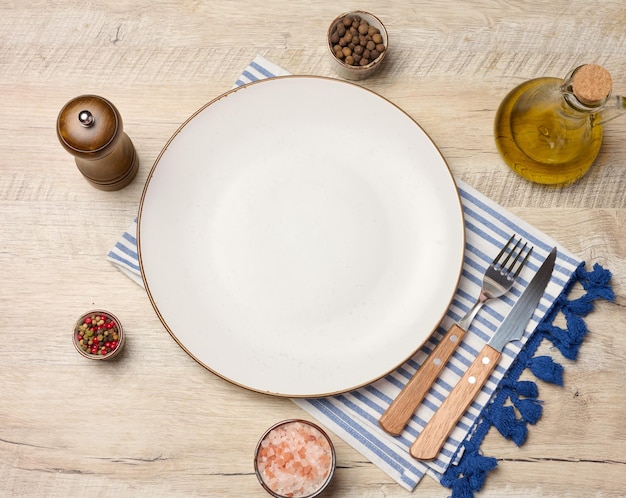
column 403, row 407
column 432, row 438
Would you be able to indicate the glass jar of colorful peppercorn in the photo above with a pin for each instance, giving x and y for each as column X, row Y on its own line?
column 98, row 335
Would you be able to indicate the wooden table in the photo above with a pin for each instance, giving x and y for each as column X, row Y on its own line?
column 161, row 425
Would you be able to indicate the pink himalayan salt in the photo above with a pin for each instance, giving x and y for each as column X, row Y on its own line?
column 294, row 459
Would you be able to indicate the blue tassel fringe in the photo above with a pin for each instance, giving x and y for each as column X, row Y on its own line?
column 515, row 404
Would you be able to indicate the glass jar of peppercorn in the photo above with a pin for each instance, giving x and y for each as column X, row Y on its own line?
column 98, row 335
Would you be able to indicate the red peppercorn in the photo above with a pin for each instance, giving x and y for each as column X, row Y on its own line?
column 97, row 335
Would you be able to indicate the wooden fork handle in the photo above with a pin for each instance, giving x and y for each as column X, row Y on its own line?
column 403, row 407
column 434, row 435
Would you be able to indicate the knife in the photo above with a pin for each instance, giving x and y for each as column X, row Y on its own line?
column 430, row 441
column 399, row 412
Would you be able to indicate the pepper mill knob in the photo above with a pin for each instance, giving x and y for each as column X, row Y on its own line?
column 86, row 118
column 90, row 128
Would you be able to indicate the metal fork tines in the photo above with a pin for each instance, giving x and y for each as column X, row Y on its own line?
column 500, row 275
column 497, row 280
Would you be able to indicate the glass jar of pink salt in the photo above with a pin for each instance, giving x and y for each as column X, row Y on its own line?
column 294, row 459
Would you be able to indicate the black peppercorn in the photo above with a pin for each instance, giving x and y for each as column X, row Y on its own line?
column 355, row 42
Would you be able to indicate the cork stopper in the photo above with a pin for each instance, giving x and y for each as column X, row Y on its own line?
column 591, row 84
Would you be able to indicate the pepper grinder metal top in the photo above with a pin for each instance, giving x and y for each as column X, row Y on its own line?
column 90, row 128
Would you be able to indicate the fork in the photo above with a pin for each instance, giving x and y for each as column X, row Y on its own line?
column 497, row 280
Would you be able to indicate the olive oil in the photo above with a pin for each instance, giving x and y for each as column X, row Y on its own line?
column 542, row 137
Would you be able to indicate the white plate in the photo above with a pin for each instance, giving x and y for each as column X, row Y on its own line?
column 300, row 236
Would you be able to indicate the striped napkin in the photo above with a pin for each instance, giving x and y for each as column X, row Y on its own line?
column 354, row 416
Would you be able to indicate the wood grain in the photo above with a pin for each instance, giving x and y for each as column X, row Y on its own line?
column 404, row 405
column 432, row 438
column 157, row 424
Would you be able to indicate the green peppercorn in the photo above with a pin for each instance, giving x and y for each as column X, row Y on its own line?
column 97, row 335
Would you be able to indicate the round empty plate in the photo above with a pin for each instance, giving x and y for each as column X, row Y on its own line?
column 300, row 236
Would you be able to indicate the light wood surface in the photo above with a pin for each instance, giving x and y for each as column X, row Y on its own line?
column 161, row 425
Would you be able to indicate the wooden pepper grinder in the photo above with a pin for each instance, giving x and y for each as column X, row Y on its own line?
column 90, row 128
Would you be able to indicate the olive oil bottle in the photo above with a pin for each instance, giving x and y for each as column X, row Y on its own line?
column 549, row 130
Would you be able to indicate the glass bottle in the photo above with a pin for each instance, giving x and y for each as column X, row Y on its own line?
column 549, row 130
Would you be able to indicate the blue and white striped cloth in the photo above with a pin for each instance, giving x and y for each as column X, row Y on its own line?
column 354, row 416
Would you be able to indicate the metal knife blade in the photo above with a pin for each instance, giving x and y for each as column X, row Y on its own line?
column 524, row 308
column 432, row 438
